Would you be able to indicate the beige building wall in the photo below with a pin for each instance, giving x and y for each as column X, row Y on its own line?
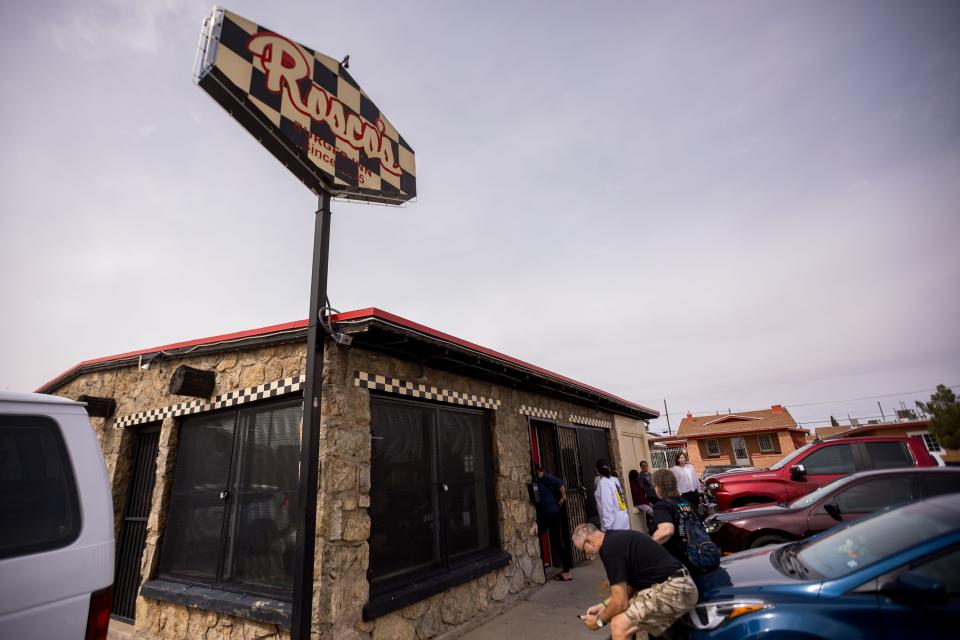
column 631, row 438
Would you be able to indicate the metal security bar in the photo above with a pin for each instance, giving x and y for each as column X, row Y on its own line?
column 577, row 494
column 133, row 531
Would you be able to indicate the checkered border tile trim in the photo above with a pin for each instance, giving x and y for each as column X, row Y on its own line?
column 417, row 390
column 592, row 422
column 273, row 389
column 535, row 412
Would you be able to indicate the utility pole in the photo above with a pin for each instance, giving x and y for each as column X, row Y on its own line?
column 667, row 413
column 882, row 417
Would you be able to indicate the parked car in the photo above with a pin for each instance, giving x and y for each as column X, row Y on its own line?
column 56, row 521
column 714, row 469
column 813, row 466
column 842, row 500
column 889, row 576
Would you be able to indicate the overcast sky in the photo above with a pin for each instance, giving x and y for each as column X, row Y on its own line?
column 724, row 205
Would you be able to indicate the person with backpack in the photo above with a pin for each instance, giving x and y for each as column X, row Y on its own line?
column 679, row 529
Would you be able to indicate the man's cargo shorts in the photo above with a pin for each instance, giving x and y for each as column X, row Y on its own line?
column 657, row 607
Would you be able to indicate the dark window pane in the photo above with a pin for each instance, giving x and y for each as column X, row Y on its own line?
column 945, row 569
column 403, row 532
column 39, row 507
column 404, row 516
column 262, row 535
column 934, row 484
column 462, row 451
column 834, row 459
column 888, row 455
column 203, row 454
column 871, row 495
column 468, row 514
column 194, row 530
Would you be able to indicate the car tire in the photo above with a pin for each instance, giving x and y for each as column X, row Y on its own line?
column 767, row 540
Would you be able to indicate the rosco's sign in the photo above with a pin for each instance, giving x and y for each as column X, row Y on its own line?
column 306, row 109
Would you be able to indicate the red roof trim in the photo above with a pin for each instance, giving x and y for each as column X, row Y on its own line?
column 359, row 314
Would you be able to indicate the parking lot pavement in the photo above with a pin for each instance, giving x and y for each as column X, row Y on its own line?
column 550, row 612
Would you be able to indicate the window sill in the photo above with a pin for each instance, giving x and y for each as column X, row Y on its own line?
column 415, row 590
column 240, row 605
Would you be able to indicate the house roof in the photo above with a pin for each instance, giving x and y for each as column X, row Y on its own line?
column 380, row 330
column 828, row 432
column 866, row 429
column 775, row 418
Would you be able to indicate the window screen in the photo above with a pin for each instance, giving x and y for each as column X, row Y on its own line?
column 39, row 507
column 833, row 459
column 431, row 503
column 713, row 448
column 230, row 522
column 766, row 443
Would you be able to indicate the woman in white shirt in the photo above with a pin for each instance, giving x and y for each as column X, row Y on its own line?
column 688, row 484
column 611, row 502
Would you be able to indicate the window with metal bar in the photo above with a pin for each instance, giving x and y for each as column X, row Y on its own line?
column 432, row 507
column 230, row 523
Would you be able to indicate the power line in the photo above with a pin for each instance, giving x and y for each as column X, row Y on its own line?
column 810, row 404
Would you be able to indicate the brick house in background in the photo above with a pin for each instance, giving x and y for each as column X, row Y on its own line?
column 749, row 438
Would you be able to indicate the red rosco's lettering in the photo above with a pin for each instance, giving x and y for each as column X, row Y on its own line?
column 284, row 64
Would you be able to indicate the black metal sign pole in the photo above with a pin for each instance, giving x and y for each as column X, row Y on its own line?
column 310, row 435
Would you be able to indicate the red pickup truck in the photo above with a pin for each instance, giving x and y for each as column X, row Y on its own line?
column 813, row 466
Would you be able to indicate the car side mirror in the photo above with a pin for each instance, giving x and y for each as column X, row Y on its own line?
column 797, row 471
column 914, row 587
column 833, row 510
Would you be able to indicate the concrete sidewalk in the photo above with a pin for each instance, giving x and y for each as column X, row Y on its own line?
column 550, row 612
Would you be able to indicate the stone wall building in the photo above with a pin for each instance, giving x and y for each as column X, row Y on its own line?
column 424, row 521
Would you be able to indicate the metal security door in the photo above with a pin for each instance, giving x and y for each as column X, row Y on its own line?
column 592, row 445
column 740, row 454
column 133, row 530
column 577, row 494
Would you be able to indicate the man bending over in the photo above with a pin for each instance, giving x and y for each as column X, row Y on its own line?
column 650, row 589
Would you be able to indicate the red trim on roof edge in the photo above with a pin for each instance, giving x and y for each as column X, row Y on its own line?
column 369, row 312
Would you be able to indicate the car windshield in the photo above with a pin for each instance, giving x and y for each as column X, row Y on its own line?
column 865, row 542
column 810, row 498
column 790, row 458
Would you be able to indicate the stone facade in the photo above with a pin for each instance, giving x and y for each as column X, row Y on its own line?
column 343, row 524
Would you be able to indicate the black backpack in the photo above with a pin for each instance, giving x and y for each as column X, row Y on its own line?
column 702, row 553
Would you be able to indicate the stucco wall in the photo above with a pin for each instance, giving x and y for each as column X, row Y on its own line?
column 343, row 524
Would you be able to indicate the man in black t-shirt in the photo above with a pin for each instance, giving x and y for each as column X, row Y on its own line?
column 650, row 589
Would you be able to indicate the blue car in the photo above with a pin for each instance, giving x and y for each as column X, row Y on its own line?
column 892, row 576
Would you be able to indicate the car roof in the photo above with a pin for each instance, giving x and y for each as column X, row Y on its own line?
column 36, row 398
column 902, row 471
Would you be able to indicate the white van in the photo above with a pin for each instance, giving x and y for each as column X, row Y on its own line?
column 56, row 522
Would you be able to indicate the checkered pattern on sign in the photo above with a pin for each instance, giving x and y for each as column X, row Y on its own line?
column 273, row 389
column 417, row 390
column 535, row 412
column 386, row 175
column 592, row 422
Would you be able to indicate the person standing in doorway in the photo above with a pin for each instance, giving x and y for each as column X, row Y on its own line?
column 646, row 481
column 688, row 484
column 551, row 515
column 611, row 501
